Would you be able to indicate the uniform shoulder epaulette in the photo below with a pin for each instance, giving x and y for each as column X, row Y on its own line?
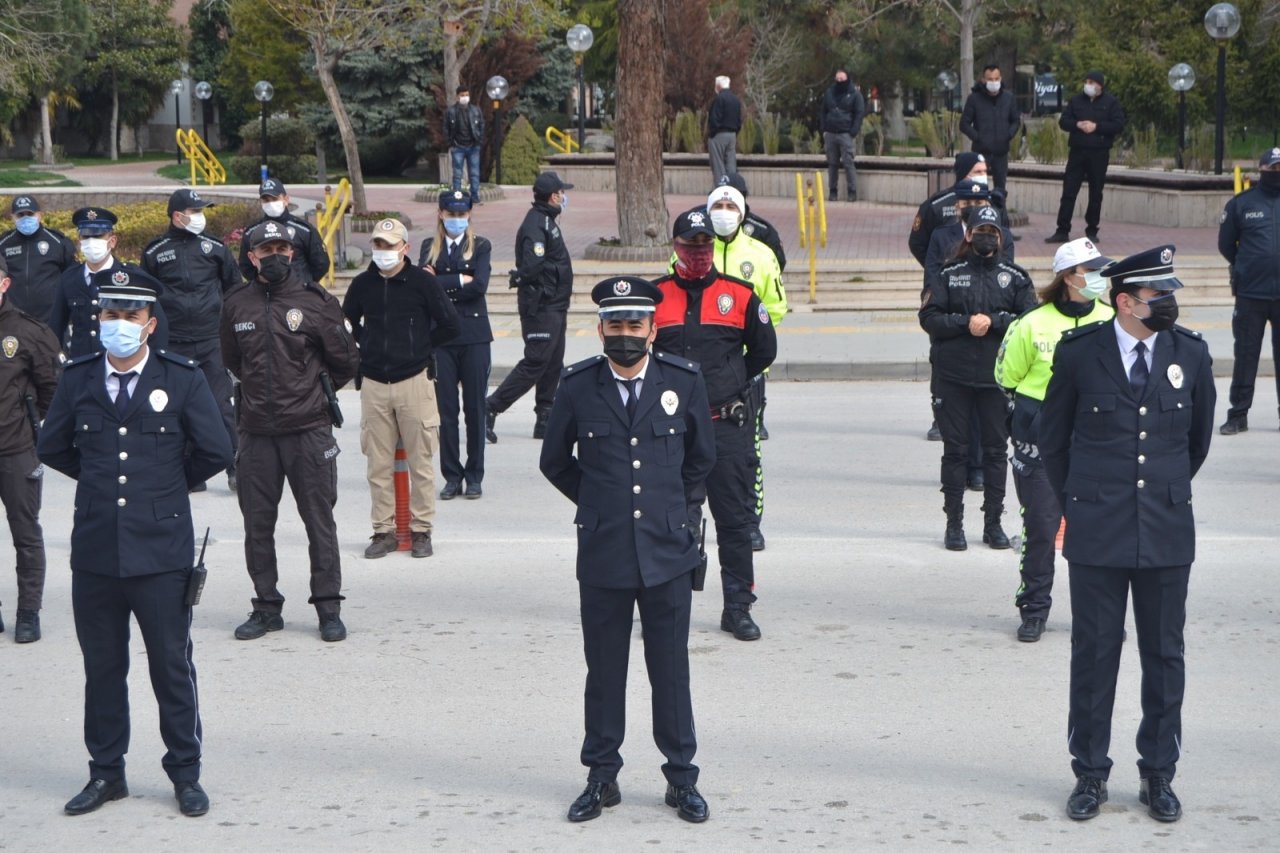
column 952, row 265
column 676, row 361
column 1080, row 331
column 83, row 359
column 483, row 241
column 945, row 195
column 298, row 222
column 1190, row 333
column 156, row 244
column 733, row 278
column 54, row 233
column 581, row 366
column 319, row 290
column 213, row 240
column 1010, row 266
column 189, row 363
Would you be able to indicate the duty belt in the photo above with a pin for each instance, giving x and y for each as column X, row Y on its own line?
column 734, row 411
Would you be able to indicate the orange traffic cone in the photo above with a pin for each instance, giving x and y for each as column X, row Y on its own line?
column 403, row 538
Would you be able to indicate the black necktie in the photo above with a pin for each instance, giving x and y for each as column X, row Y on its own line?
column 453, row 254
column 122, row 396
column 1139, row 373
column 633, row 396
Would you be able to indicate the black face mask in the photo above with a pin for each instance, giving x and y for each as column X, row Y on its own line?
column 1269, row 180
column 626, row 350
column 273, row 268
column 1164, row 313
column 984, row 244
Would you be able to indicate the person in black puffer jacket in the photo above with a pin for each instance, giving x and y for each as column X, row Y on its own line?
column 991, row 120
column 1093, row 119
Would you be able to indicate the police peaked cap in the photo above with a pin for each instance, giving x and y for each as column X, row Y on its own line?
column 625, row 297
column 1152, row 268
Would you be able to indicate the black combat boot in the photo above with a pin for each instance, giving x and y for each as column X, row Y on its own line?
column 540, row 423
column 954, row 537
column 991, row 533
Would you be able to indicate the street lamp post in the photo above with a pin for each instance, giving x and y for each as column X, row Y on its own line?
column 175, row 86
column 264, row 92
column 1222, row 22
column 204, row 92
column 948, row 81
column 497, row 90
column 1181, row 78
column 580, row 38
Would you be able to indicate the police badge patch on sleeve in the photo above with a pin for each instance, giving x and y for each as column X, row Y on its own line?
column 763, row 314
column 539, row 249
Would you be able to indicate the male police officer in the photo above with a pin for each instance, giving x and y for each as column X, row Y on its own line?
column 1249, row 238
column 399, row 313
column 29, row 364
column 282, row 336
column 136, row 429
column 309, row 254
column 36, row 257
column 642, row 426
column 755, row 225
column 544, row 285
column 941, row 208
column 1126, row 424
column 196, row 271
column 717, row 321
column 74, row 315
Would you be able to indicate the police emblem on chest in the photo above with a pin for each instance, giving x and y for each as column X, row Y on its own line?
column 206, row 246
column 158, row 400
column 749, row 229
column 747, row 269
column 43, row 247
column 670, row 402
column 10, row 346
column 294, row 319
column 1174, row 373
column 1003, row 279
column 724, row 303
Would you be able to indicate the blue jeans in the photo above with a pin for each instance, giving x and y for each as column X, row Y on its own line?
column 472, row 157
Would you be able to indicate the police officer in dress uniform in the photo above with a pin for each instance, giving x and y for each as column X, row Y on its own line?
column 309, row 254
column 136, row 428
column 459, row 259
column 280, row 335
column 718, row 322
column 1126, row 425
column 544, row 285
column 36, row 257
column 642, row 426
column 29, row 366
column 74, row 314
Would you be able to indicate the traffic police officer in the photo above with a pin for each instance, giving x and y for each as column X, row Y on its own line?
column 309, row 254
column 1126, row 425
column 459, row 259
column 197, row 271
column 1249, row 238
column 755, row 225
column 36, row 257
column 136, row 429
column 544, row 284
column 642, row 427
column 719, row 322
column 29, row 366
column 74, row 315
column 281, row 336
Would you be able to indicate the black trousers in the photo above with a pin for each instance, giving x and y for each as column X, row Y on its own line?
column 1098, row 602
column 466, row 366
column 998, row 169
column 102, row 606
column 1041, row 517
column 955, row 405
column 541, row 364
column 606, row 642
column 1248, row 325
column 21, row 481
column 1083, row 164
column 309, row 461
column 209, row 354
column 730, row 493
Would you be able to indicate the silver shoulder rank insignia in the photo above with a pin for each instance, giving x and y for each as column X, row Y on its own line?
column 10, row 345
column 158, row 400
column 670, row 402
column 294, row 319
column 724, row 304
column 1175, row 375
column 206, row 246
column 747, row 269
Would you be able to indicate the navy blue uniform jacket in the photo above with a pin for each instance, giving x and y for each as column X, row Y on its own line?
column 132, row 514
column 1122, row 464
column 631, row 481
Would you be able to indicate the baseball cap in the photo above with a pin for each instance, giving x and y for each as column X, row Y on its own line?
column 24, row 204
column 1079, row 253
column 1270, row 158
column 390, row 231
column 548, row 183
column 692, row 223
column 268, row 232
column 272, row 187
column 187, row 200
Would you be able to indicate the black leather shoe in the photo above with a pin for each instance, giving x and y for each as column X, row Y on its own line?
column 757, row 539
column 1087, row 798
column 450, row 491
column 597, row 795
column 1030, row 629
column 688, row 803
column 233, row 482
column 994, row 536
column 259, row 623
column 1092, row 236
column 473, row 491
column 27, row 628
column 764, row 433
column 953, row 539
column 1235, row 426
column 331, row 628
column 738, row 621
column 192, row 800
column 422, row 545
column 1160, row 800
column 934, row 434
column 490, row 419
column 977, row 481
column 96, row 794
column 199, row 487
column 1058, row 237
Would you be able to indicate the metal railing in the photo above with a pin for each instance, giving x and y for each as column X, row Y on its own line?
column 560, row 141
column 201, row 157
column 1242, row 183
column 811, row 200
column 329, row 221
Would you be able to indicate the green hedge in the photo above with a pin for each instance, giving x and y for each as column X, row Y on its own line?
column 284, row 136
column 521, row 154
column 284, row 167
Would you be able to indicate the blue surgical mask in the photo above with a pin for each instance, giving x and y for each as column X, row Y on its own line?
column 455, row 227
column 1094, row 285
column 28, row 225
column 564, row 202
column 121, row 338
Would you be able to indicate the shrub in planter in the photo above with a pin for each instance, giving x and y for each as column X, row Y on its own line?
column 285, row 135
column 292, row 169
column 521, row 153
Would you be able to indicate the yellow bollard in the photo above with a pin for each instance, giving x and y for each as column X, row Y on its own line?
column 800, row 206
column 813, row 245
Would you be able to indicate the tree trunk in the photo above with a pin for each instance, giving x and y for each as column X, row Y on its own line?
column 351, row 148
column 114, row 150
column 46, row 132
column 452, row 70
column 895, row 123
column 968, row 18
column 642, row 205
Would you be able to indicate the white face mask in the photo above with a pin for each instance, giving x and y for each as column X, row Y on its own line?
column 725, row 222
column 94, row 249
column 1091, row 89
column 993, row 86
column 464, row 100
column 978, row 179
column 273, row 209
column 195, row 223
column 386, row 259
